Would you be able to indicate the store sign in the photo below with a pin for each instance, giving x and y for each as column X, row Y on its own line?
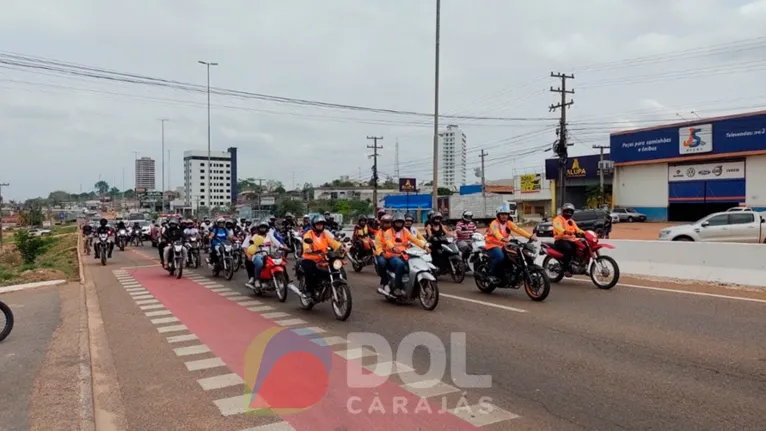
column 695, row 139
column 531, row 183
column 707, row 171
column 576, row 170
column 577, row 167
column 408, row 185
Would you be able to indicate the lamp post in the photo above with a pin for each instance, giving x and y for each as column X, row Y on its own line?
column 208, row 64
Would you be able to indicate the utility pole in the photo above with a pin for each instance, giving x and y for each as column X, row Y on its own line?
column 561, row 146
column 1, row 205
column 260, row 192
column 375, row 149
column 163, row 120
column 209, row 164
column 435, row 189
column 483, row 182
column 602, row 193
column 396, row 160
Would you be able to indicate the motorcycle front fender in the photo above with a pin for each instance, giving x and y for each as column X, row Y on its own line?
column 609, row 246
column 424, row 275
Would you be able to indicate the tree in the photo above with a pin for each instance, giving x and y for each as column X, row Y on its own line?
column 286, row 205
column 443, row 191
column 58, row 197
column 102, row 187
column 272, row 186
column 389, row 183
column 32, row 216
column 130, row 194
column 114, row 192
column 247, row 184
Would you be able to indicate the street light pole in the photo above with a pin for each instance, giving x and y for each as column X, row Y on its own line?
column 163, row 120
column 435, row 191
column 209, row 164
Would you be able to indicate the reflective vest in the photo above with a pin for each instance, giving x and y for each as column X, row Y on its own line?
column 317, row 249
column 393, row 248
column 564, row 229
column 497, row 232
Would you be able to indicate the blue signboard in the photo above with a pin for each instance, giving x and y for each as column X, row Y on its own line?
column 62, row 216
column 470, row 189
column 705, row 137
column 577, row 167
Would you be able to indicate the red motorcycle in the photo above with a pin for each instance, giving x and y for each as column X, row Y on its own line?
column 273, row 276
column 587, row 260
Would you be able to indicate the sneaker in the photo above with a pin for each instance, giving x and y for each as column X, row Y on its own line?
column 257, row 283
column 250, row 284
column 386, row 288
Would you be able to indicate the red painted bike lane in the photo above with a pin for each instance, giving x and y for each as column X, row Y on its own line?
column 229, row 330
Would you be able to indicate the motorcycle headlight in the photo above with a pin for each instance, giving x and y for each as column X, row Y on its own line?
column 529, row 252
column 337, row 264
column 277, row 261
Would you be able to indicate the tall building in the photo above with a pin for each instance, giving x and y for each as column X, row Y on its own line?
column 145, row 173
column 221, row 183
column 452, row 157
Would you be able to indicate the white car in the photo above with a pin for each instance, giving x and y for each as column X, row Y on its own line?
column 729, row 226
column 739, row 209
column 39, row 232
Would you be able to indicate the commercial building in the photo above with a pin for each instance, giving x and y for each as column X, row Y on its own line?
column 684, row 171
column 145, row 173
column 452, row 157
column 220, row 183
column 531, row 192
column 583, row 181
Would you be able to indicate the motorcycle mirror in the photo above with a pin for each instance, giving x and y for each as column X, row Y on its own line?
column 308, row 241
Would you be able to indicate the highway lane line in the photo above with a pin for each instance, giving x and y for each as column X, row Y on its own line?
column 276, row 426
column 275, row 315
column 430, row 388
column 484, row 303
column 683, row 292
column 158, row 313
column 204, row 364
column 191, row 350
column 329, row 341
column 481, row 415
column 151, row 307
column 182, row 338
column 220, row 382
column 355, row 353
column 290, row 322
column 147, row 301
column 163, row 320
column 171, row 328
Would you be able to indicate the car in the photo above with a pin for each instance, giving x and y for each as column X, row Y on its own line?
column 594, row 220
column 728, row 226
column 146, row 229
column 739, row 209
column 39, row 232
column 629, row 215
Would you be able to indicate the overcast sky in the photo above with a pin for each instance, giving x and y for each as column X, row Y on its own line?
column 62, row 132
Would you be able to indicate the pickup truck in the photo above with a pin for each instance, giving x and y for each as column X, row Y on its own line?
column 730, row 226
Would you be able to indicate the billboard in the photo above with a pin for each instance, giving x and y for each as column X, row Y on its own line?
column 724, row 136
column 577, row 167
column 531, row 183
column 408, row 185
column 707, row 171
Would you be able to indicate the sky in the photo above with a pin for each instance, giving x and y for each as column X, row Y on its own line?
column 636, row 63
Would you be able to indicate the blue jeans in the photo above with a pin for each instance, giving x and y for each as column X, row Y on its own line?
column 381, row 264
column 398, row 266
column 497, row 255
column 257, row 265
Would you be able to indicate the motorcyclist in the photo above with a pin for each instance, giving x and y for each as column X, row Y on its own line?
column 254, row 262
column 288, row 223
column 235, row 228
column 272, row 222
column 464, row 230
column 396, row 241
column 190, row 229
column 104, row 228
column 87, row 232
column 361, row 231
column 314, row 253
column 121, row 225
column 565, row 231
column 331, row 225
column 242, row 222
column 381, row 264
column 498, row 234
column 174, row 232
column 435, row 227
column 374, row 224
column 409, row 220
column 136, row 231
column 161, row 242
column 218, row 235
column 305, row 222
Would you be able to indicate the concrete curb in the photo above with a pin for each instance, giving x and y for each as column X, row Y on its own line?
column 84, row 375
column 17, row 287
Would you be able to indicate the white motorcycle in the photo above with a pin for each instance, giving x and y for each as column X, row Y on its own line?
column 122, row 239
column 418, row 282
column 478, row 243
column 176, row 259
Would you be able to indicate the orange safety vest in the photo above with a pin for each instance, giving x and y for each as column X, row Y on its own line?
column 380, row 241
column 317, row 249
column 564, row 229
column 503, row 230
column 393, row 248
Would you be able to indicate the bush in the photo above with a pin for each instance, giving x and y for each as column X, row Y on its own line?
column 29, row 246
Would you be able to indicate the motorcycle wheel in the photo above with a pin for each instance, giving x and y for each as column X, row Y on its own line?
column 458, row 275
column 228, row 271
column 429, row 294
column 306, row 303
column 593, row 272
column 358, row 267
column 280, row 286
column 553, row 270
column 236, row 262
column 180, row 266
column 122, row 246
column 541, row 288
column 8, row 320
column 103, row 257
column 195, row 258
column 480, row 277
column 344, row 294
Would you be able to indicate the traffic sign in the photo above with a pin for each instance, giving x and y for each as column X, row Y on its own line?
column 62, row 216
column 408, row 185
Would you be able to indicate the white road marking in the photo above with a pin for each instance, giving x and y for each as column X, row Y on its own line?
column 158, row 313
column 481, row 415
column 151, row 307
column 221, row 289
column 261, row 308
column 430, row 388
column 233, row 406
column 275, row 315
column 329, row 341
column 276, row 426
column 181, row 338
column 230, row 293
column 204, row 364
column 683, row 292
column 131, row 285
column 139, row 292
column 191, row 350
column 290, row 322
column 355, row 353
column 484, row 303
column 142, row 266
column 171, row 328
column 147, row 301
column 140, row 297
column 309, row 331
column 162, row 320
column 389, row 368
column 136, row 289
column 250, row 303
column 237, row 297
column 220, row 382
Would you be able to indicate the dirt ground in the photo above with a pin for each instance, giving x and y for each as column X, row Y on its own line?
column 644, row 231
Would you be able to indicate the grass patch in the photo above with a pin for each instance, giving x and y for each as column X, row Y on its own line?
column 59, row 261
column 58, row 230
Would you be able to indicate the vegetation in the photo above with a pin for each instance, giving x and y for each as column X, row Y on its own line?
column 33, row 259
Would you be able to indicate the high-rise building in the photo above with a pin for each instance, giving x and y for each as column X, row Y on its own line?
column 452, row 157
column 145, row 173
column 220, row 185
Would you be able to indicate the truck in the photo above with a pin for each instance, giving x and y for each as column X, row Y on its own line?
column 475, row 203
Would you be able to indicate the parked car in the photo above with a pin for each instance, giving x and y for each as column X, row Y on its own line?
column 739, row 209
column 39, row 232
column 594, row 220
column 729, row 226
column 629, row 215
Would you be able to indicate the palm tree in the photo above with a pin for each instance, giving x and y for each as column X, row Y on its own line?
column 102, row 187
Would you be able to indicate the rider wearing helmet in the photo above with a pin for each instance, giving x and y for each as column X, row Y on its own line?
column 288, row 224
column 331, row 224
column 409, row 220
column 464, row 230
column 174, row 232
column 564, row 233
column 314, row 253
column 374, row 223
column 435, row 227
column 218, row 235
column 103, row 227
column 380, row 241
column 305, row 223
column 254, row 262
column 498, row 234
column 396, row 241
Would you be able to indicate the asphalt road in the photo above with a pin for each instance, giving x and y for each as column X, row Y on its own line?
column 631, row 358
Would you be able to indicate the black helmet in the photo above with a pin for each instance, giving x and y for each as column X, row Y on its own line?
column 173, row 221
column 361, row 218
column 103, row 222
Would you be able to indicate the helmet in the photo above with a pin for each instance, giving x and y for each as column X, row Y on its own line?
column 467, row 215
column 318, row 219
column 502, row 209
column 173, row 221
column 398, row 218
column 409, row 217
column 262, row 223
column 326, row 213
column 567, row 210
column 289, row 215
column 103, row 222
column 361, row 218
column 381, row 212
column 242, row 220
column 248, row 222
column 386, row 219
column 207, row 220
column 305, row 216
column 436, row 215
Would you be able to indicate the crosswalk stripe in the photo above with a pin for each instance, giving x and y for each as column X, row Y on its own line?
column 290, row 322
column 162, row 320
column 481, row 415
column 204, row 364
column 171, row 328
column 191, row 350
column 220, row 382
column 157, row 313
column 181, row 338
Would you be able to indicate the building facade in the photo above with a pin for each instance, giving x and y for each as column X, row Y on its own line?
column 145, row 173
column 684, row 171
column 452, row 157
column 583, row 181
column 213, row 187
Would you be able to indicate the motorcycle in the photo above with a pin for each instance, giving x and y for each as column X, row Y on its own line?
column 294, row 243
column 518, row 268
column 332, row 286
column 364, row 257
column 587, row 260
column 237, row 256
column 101, row 247
column 192, row 251
column 136, row 238
column 8, row 326
column 176, row 259
column 122, row 239
column 88, row 243
column 224, row 262
column 477, row 248
column 418, row 282
column 273, row 276
column 449, row 260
